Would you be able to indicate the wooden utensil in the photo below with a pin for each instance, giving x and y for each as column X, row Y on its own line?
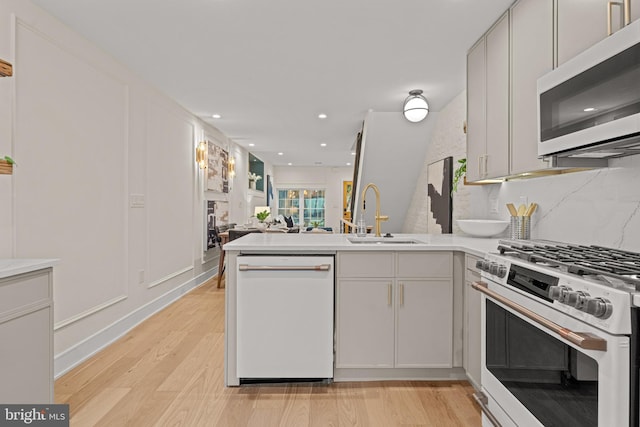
column 531, row 209
column 512, row 209
column 521, row 210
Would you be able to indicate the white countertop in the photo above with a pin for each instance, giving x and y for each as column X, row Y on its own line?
column 310, row 242
column 15, row 266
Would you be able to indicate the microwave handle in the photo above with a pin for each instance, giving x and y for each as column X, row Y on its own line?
column 583, row 340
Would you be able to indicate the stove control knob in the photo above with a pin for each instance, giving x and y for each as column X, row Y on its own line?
column 493, row 268
column 502, row 271
column 598, row 307
column 480, row 264
column 559, row 293
column 577, row 299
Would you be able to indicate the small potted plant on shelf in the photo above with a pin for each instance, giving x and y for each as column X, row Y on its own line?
column 253, row 178
column 6, row 165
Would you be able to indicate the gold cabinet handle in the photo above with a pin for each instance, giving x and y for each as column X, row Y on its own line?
column 401, row 294
column 486, row 165
column 389, row 293
column 320, row 267
column 581, row 339
column 610, row 6
column 627, row 12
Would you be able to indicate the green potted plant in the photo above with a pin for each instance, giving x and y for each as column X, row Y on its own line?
column 262, row 216
column 6, row 165
column 458, row 174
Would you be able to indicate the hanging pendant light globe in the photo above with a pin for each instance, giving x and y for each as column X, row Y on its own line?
column 415, row 107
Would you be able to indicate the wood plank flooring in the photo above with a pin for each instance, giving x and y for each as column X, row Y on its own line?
column 168, row 371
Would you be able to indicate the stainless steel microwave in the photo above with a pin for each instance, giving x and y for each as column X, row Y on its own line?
column 589, row 107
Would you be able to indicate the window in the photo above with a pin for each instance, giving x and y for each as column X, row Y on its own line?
column 307, row 205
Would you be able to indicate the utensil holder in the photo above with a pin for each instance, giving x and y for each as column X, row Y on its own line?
column 520, row 228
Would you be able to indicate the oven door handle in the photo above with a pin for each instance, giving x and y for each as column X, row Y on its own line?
column 482, row 400
column 583, row 340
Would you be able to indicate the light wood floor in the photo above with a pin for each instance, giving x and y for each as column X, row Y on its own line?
column 169, row 371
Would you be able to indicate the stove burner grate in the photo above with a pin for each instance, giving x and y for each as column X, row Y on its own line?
column 577, row 259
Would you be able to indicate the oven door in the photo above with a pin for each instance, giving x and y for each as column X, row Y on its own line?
column 541, row 367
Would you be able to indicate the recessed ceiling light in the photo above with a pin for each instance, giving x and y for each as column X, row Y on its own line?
column 324, row 144
column 589, row 109
column 353, row 153
column 348, row 163
column 289, row 163
column 251, row 144
column 216, row 116
column 322, row 116
column 281, row 154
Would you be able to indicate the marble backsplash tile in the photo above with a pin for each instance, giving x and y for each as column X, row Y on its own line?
column 596, row 207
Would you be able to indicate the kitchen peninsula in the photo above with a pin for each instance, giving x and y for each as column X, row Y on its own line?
column 398, row 302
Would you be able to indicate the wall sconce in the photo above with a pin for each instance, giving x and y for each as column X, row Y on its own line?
column 232, row 167
column 415, row 107
column 201, row 154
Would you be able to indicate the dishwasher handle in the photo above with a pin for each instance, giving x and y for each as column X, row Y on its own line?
column 319, row 267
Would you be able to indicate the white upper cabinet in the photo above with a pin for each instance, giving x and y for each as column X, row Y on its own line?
column 531, row 57
column 503, row 67
column 583, row 23
column 476, row 109
column 488, row 104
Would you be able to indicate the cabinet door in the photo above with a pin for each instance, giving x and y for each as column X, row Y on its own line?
column 472, row 346
column 26, row 358
column 476, row 119
column 581, row 24
column 364, row 323
column 531, row 57
column 497, row 161
column 424, row 323
column 635, row 10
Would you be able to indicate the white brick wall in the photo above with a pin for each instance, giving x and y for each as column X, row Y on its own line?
column 448, row 139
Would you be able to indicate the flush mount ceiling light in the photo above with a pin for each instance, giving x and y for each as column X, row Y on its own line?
column 415, row 107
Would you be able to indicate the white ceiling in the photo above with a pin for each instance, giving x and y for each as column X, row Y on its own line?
column 270, row 67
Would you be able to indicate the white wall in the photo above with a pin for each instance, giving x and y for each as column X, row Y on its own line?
column 89, row 137
column 329, row 179
column 393, row 151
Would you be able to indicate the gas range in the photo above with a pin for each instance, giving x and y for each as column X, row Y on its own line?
column 593, row 284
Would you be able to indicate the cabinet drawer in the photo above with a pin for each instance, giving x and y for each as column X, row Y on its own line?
column 471, row 262
column 22, row 290
column 366, row 264
column 425, row 264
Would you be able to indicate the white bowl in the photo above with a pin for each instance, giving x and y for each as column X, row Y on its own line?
column 482, row 227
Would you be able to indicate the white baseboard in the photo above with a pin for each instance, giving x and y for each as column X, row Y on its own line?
column 86, row 348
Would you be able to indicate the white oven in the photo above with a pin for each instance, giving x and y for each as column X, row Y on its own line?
column 546, row 362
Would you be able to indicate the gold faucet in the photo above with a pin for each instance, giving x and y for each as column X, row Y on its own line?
column 379, row 218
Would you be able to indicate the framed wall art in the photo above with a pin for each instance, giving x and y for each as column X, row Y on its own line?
column 217, row 168
column 439, row 201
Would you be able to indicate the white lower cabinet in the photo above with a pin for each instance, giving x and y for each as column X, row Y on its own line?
column 402, row 317
column 26, row 334
column 424, row 323
column 472, row 327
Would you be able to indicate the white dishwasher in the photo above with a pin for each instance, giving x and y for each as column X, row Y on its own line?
column 285, row 317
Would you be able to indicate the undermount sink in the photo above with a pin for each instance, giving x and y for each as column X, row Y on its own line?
column 382, row 241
